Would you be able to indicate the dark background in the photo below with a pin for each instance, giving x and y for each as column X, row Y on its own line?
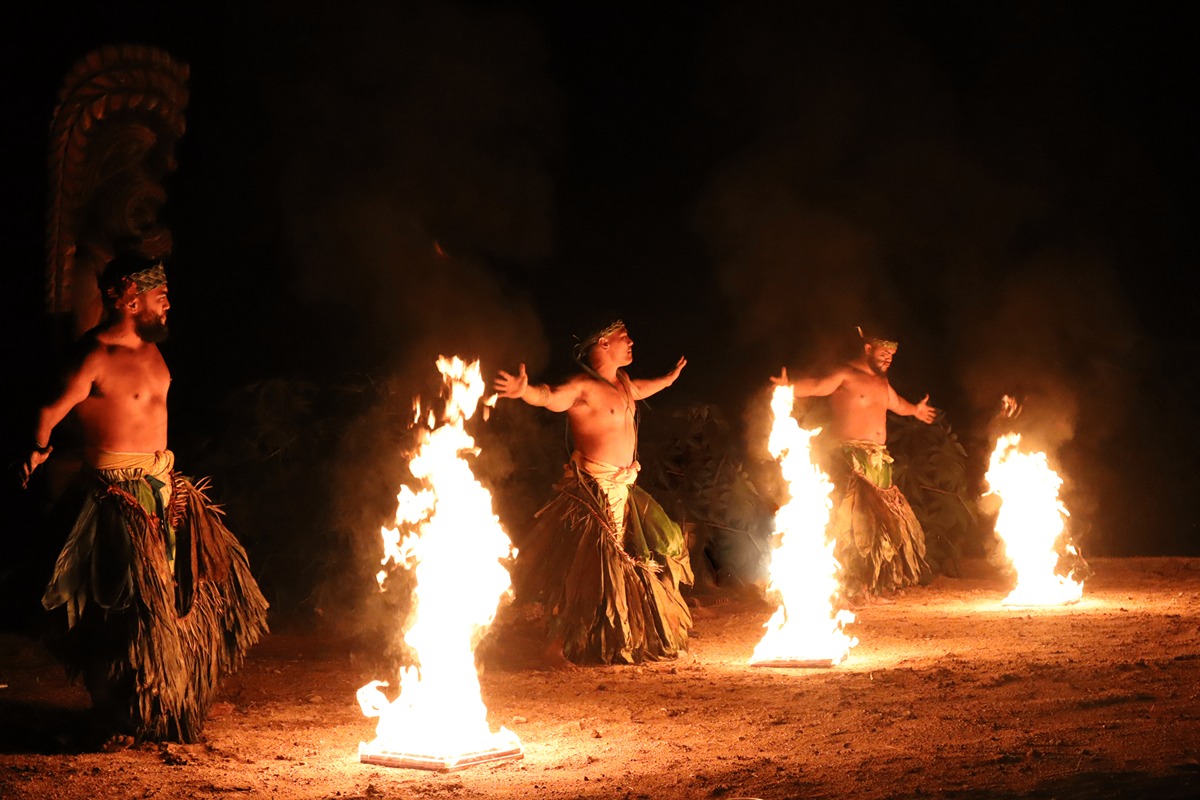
column 1009, row 190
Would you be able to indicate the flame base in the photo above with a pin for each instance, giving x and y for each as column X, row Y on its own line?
column 1064, row 594
column 439, row 763
column 795, row 663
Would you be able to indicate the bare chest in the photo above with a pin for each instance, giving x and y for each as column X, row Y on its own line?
column 863, row 391
column 133, row 376
column 607, row 404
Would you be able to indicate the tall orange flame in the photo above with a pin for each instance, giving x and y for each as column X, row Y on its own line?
column 1030, row 523
column 451, row 539
column 804, row 573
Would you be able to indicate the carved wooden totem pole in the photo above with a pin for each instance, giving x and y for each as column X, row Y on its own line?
column 112, row 142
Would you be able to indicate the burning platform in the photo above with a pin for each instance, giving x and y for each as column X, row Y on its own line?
column 439, row 763
column 450, row 539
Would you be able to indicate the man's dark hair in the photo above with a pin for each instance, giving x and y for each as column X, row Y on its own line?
column 124, row 268
column 876, row 336
column 583, row 346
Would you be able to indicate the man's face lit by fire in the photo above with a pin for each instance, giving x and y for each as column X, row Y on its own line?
column 150, row 314
column 879, row 357
column 618, row 347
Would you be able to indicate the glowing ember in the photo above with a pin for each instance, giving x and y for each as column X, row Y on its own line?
column 453, row 543
column 805, row 630
column 1030, row 523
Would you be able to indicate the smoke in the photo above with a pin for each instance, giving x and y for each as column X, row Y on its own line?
column 412, row 148
column 371, row 463
column 1057, row 334
column 841, row 165
column 862, row 185
column 404, row 297
column 794, row 273
column 414, row 173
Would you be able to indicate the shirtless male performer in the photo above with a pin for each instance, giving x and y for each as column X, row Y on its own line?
column 880, row 543
column 160, row 602
column 603, row 557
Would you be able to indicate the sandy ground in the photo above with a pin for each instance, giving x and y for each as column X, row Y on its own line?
column 948, row 694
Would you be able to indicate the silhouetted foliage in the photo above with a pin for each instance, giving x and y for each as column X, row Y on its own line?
column 691, row 464
column 931, row 471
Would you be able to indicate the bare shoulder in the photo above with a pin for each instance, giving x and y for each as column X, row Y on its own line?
column 846, row 373
column 82, row 363
column 89, row 351
column 580, row 384
column 102, row 354
column 576, row 380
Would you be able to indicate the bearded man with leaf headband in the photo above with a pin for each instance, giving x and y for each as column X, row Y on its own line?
column 879, row 540
column 152, row 597
column 603, row 557
column 159, row 600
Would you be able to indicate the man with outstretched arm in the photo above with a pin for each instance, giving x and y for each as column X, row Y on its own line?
column 158, row 596
column 603, row 557
column 880, row 543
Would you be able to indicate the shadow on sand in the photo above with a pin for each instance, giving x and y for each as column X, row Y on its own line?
column 1181, row 784
column 47, row 729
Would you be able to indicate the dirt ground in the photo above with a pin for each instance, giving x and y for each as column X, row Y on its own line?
column 948, row 694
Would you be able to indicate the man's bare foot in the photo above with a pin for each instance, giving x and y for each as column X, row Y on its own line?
column 553, row 658
column 117, row 742
column 858, row 602
column 220, row 709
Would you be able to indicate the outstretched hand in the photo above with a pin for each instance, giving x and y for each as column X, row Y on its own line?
column 679, row 365
column 512, row 386
column 781, row 379
column 35, row 460
column 925, row 412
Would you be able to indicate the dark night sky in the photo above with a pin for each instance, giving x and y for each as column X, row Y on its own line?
column 1010, row 189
